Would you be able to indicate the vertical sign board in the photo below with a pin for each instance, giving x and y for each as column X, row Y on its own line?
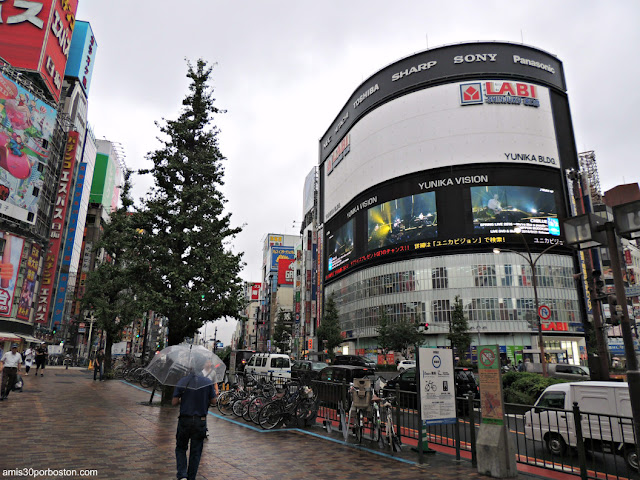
column 55, row 234
column 61, row 290
column 436, row 386
column 28, row 286
column 10, row 256
column 490, row 385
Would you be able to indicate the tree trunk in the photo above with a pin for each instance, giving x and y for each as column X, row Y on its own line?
column 107, row 353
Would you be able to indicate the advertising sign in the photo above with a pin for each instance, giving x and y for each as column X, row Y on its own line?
column 26, row 127
column 29, row 284
column 308, row 193
column 82, row 55
column 436, row 386
column 281, row 253
column 436, row 134
column 9, row 267
column 55, row 235
column 285, row 271
column 443, row 209
column 61, row 290
column 490, row 384
column 36, row 36
column 255, row 291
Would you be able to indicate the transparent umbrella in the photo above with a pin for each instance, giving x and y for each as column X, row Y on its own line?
column 173, row 363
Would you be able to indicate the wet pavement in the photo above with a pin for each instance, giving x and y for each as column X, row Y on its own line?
column 65, row 420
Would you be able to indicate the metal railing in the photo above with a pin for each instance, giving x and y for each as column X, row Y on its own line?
column 583, row 444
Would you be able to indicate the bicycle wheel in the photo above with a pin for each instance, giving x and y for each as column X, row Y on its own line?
column 147, row 380
column 254, row 408
column 118, row 372
column 376, row 427
column 306, row 412
column 238, row 406
column 270, row 415
column 225, row 402
column 359, row 426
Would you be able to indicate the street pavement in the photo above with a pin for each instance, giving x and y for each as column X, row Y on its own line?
column 66, row 421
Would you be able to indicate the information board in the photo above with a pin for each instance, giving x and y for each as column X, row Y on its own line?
column 436, row 386
column 490, row 384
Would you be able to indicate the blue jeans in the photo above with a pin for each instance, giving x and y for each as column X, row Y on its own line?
column 97, row 369
column 195, row 430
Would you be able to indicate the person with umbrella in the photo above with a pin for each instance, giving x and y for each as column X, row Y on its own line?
column 185, row 366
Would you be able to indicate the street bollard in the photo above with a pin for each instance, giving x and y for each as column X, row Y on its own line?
column 472, row 431
column 582, row 458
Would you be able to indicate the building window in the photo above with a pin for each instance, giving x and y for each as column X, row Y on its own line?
column 441, row 311
column 507, row 280
column 484, row 275
column 439, row 278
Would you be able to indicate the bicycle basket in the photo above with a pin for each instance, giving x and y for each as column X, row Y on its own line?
column 361, row 394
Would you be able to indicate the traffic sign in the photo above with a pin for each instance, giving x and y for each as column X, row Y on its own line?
column 544, row 312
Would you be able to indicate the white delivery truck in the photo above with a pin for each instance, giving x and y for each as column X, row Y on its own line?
column 606, row 422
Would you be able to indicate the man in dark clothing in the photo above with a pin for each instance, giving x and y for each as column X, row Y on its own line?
column 97, row 366
column 194, row 393
column 41, row 358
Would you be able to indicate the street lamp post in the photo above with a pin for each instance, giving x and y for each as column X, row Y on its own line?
column 588, row 230
column 532, row 264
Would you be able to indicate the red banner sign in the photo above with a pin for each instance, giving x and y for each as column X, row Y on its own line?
column 285, row 271
column 55, row 235
column 36, row 36
column 255, row 291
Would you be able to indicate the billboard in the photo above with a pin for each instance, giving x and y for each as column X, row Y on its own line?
column 255, row 291
column 464, row 208
column 281, row 253
column 409, row 219
column 61, row 289
column 55, row 234
column 82, row 55
column 29, row 283
column 9, row 267
column 508, row 209
column 441, row 65
column 285, row 272
column 36, row 36
column 430, row 129
column 26, row 127
column 340, row 245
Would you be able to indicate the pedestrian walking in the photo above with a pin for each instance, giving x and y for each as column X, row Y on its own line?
column 10, row 367
column 98, row 365
column 41, row 358
column 194, row 393
column 27, row 357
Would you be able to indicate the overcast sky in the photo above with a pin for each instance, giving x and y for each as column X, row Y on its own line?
column 285, row 69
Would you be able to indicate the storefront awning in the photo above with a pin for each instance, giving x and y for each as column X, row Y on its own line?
column 8, row 337
column 29, row 338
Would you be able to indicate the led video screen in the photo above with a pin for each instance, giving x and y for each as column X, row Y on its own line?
column 408, row 219
column 340, row 245
column 503, row 209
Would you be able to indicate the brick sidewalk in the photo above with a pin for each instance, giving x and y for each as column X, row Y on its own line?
column 65, row 420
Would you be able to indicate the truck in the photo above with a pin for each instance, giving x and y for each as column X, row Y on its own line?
column 606, row 420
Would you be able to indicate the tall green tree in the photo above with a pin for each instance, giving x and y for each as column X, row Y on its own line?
column 113, row 292
column 399, row 335
column 194, row 274
column 459, row 334
column 329, row 329
column 281, row 332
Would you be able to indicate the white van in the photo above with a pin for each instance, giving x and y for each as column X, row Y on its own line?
column 276, row 365
column 606, row 422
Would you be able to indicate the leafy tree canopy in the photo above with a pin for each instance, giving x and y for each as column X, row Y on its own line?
column 329, row 329
column 194, row 275
column 459, row 335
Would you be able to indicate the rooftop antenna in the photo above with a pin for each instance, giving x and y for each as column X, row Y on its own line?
column 521, row 37
column 427, row 35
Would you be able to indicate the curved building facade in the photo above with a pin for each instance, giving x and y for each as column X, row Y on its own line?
column 435, row 163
